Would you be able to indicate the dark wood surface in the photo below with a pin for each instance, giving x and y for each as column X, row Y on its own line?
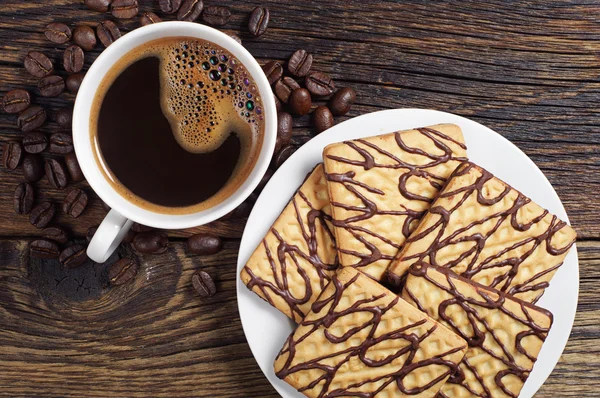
column 527, row 69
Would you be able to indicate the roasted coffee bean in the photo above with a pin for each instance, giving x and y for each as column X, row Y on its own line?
column 16, row 101
column 12, row 154
column 141, row 228
column 42, row 214
column 204, row 244
column 35, row 142
column 42, row 248
column 33, row 167
column 284, row 87
column 300, row 101
column 122, row 271
column 264, row 180
column 242, row 211
column 322, row 118
column 56, row 234
column 235, row 37
column 149, row 18
column 75, row 202
column 204, row 285
column 107, row 32
column 56, row 174
column 58, row 33
column 124, row 9
column 128, row 238
column 190, row 10
column 73, row 59
column 284, row 130
column 319, row 84
column 89, row 234
column 273, row 70
column 73, row 167
column 31, row 118
column 169, row 6
column 341, row 102
column 61, row 143
column 277, row 103
column 51, row 86
column 73, row 256
column 299, row 63
column 74, row 82
column 84, row 37
column 38, row 65
column 98, row 5
column 151, row 242
column 23, row 198
column 259, row 21
column 283, row 155
column 216, row 15
column 64, row 117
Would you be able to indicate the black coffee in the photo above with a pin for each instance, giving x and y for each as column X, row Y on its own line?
column 179, row 125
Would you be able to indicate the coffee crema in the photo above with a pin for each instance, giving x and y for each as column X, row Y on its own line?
column 177, row 125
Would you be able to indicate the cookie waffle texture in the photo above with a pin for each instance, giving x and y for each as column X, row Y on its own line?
column 361, row 340
column 487, row 231
column 504, row 334
column 297, row 258
column 381, row 186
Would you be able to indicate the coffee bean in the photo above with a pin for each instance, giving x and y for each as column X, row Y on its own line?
column 73, row 59
column 216, row 15
column 33, row 167
column 259, row 21
column 264, row 180
column 300, row 101
column 141, row 228
column 319, row 84
column 51, row 86
column 124, row 9
column 277, row 103
column 23, row 198
column 42, row 248
column 284, row 130
column 122, row 271
column 73, row 256
column 341, row 102
column 204, row 244
column 151, row 242
column 74, row 82
column 273, row 70
column 58, row 33
column 98, row 5
column 31, row 118
column 235, row 37
column 322, row 118
column 56, row 174
column 64, row 117
column 89, row 234
column 149, row 18
column 242, row 211
column 299, row 63
column 107, row 32
column 73, row 167
column 35, row 142
column 42, row 214
column 61, row 143
column 75, row 202
column 190, row 10
column 283, row 155
column 284, row 87
column 12, row 154
column 84, row 37
column 38, row 65
column 204, row 285
column 16, row 101
column 56, row 234
column 169, row 6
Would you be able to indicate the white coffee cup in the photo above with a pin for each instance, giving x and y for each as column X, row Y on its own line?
column 119, row 220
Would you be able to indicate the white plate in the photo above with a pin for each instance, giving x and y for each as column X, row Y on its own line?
column 266, row 328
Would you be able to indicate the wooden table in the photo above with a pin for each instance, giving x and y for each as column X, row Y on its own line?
column 529, row 70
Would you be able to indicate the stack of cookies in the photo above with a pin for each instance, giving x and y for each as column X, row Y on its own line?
column 407, row 213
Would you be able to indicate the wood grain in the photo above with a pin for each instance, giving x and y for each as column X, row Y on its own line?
column 527, row 69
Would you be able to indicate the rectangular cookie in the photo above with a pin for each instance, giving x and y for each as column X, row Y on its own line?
column 361, row 340
column 296, row 259
column 489, row 232
column 504, row 334
column 381, row 186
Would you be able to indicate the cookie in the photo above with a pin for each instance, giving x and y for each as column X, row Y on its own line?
column 381, row 186
column 486, row 231
column 504, row 334
column 361, row 340
column 297, row 258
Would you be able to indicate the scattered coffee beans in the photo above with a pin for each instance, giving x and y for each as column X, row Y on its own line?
column 140, row 228
column 277, row 103
column 107, row 32
column 322, row 118
column 300, row 101
column 64, row 117
column 74, row 82
column 273, row 70
column 169, row 6
column 319, row 84
column 204, row 244
column 73, row 59
column 204, row 285
column 38, row 65
column 61, row 143
column 33, row 167
column 75, row 202
column 89, row 234
column 151, row 242
column 300, row 63
column 42, row 214
column 122, row 271
column 124, row 9
column 235, row 37
column 284, row 87
column 73, row 167
column 16, row 101
column 84, row 37
column 264, row 180
column 23, row 198
column 58, row 33
column 42, row 248
column 73, row 256
column 56, row 174
column 216, row 15
column 35, row 142
column 31, row 118
column 284, row 130
column 190, row 10
column 283, row 155
column 56, row 234
column 259, row 21
column 98, row 5
column 51, row 86
column 149, row 18
column 12, row 154
column 341, row 102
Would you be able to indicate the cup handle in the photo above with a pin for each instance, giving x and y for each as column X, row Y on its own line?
column 109, row 235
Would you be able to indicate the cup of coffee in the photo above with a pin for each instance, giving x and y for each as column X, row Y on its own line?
column 174, row 126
